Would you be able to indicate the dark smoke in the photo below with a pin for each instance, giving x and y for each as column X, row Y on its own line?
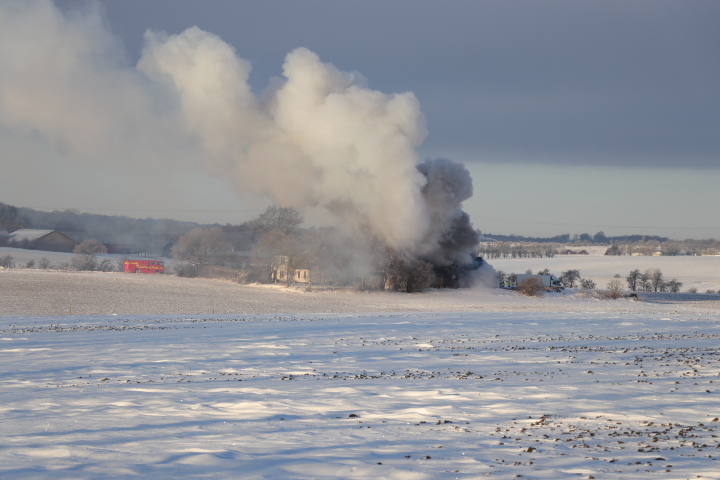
column 451, row 238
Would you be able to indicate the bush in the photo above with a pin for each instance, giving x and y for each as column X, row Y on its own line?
column 692, row 290
column 710, row 292
column 531, row 287
column 84, row 262
column 90, row 247
column 86, row 259
column 44, row 263
column 106, row 265
column 30, row 264
column 189, row 271
column 615, row 289
column 587, row 284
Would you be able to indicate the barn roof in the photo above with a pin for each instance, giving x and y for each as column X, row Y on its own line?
column 30, row 234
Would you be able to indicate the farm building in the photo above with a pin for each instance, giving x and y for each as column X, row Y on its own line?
column 50, row 240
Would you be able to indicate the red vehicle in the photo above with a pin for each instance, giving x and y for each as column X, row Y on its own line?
column 143, row 266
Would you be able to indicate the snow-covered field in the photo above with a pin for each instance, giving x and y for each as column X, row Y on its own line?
column 143, row 380
column 703, row 273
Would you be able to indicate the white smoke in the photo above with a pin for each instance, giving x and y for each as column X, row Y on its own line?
column 316, row 137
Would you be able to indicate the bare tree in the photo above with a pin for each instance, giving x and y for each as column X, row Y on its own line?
column 633, row 279
column 615, row 288
column 7, row 262
column 656, row 279
column 569, row 278
column 203, row 247
column 645, row 283
column 44, row 263
column 285, row 219
column 673, row 285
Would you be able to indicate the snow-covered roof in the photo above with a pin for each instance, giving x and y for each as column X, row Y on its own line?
column 29, row 234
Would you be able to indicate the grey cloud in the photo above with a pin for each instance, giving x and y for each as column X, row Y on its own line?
column 534, row 80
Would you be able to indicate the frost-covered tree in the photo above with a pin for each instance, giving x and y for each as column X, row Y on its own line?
column 89, row 247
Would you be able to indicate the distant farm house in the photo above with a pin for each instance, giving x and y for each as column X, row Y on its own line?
column 51, row 240
column 300, row 272
column 284, row 273
column 573, row 252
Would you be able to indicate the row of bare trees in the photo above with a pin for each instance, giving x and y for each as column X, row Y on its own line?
column 569, row 278
column 510, row 250
column 650, row 247
column 651, row 280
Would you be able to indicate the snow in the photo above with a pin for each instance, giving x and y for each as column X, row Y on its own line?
column 144, row 380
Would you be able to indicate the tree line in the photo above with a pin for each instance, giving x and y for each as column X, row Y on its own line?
column 651, row 280
column 577, row 239
column 501, row 249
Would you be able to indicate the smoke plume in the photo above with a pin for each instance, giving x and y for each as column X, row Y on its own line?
column 316, row 137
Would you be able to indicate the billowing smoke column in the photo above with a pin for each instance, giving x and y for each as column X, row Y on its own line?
column 316, row 137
